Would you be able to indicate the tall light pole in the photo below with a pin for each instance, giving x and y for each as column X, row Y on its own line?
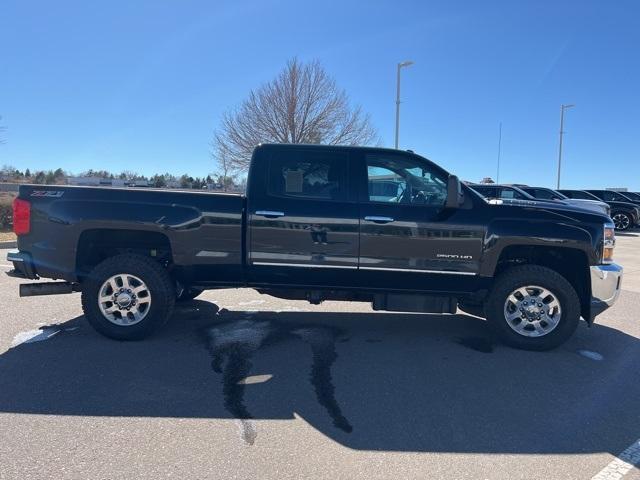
column 406, row 63
column 499, row 151
column 562, row 109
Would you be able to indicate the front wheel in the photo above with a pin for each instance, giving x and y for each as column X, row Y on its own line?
column 533, row 308
column 127, row 297
column 621, row 220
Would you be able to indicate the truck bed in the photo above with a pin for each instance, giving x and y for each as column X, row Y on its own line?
column 202, row 230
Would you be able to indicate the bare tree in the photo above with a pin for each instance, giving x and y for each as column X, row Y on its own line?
column 225, row 165
column 301, row 105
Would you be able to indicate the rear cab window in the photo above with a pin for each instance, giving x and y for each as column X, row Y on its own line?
column 308, row 175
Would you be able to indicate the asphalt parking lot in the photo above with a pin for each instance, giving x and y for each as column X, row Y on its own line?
column 241, row 385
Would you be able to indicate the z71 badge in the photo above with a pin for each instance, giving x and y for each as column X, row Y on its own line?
column 47, row 193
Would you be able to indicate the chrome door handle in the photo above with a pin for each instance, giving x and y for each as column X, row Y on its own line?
column 377, row 219
column 269, row 213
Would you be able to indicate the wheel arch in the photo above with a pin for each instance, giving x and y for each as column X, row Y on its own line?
column 571, row 263
column 96, row 245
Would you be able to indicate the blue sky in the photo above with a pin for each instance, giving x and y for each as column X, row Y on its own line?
column 142, row 85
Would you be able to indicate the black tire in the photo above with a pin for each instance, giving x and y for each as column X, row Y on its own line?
column 157, row 281
column 188, row 293
column 622, row 221
column 526, row 275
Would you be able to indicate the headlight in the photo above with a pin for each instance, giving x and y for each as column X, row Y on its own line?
column 609, row 243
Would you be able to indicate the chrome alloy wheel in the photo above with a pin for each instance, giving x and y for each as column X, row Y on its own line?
column 621, row 221
column 532, row 311
column 124, row 299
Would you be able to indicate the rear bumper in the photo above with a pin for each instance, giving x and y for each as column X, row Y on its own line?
column 22, row 265
column 606, row 281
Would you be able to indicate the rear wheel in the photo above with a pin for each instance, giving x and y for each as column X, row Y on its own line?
column 126, row 297
column 533, row 308
column 621, row 220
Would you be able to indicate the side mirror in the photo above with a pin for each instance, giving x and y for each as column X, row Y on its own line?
column 455, row 196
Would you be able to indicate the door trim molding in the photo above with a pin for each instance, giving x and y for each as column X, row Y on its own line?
column 353, row 267
column 413, row 270
column 307, row 265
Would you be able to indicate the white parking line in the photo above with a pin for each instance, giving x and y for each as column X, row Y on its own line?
column 622, row 465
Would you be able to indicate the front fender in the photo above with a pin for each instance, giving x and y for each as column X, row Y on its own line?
column 504, row 233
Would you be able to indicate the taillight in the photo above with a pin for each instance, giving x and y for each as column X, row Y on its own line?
column 21, row 216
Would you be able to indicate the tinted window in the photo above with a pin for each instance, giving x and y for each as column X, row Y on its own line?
column 406, row 180
column 579, row 195
column 542, row 193
column 511, row 193
column 611, row 196
column 304, row 174
column 633, row 196
column 619, row 197
column 487, row 192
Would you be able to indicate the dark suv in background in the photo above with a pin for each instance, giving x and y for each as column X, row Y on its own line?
column 538, row 194
column 624, row 212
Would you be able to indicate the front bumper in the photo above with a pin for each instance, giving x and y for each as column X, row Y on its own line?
column 606, row 281
column 22, row 265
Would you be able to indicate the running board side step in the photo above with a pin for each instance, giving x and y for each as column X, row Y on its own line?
column 47, row 288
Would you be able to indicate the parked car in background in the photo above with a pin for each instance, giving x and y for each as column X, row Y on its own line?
column 523, row 192
column 501, row 192
column 625, row 214
column 542, row 193
column 610, row 195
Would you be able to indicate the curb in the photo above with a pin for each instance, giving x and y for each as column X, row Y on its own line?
column 12, row 244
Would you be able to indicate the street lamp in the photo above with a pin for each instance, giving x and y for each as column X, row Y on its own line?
column 406, row 63
column 562, row 109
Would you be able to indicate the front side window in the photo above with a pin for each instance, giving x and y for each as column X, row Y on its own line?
column 606, row 196
column 404, row 180
column 542, row 194
column 312, row 175
column 509, row 193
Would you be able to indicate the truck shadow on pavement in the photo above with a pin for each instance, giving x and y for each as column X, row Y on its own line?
column 380, row 381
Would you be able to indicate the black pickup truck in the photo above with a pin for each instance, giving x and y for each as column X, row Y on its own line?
column 317, row 223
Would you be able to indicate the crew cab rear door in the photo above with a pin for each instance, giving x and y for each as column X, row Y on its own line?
column 408, row 239
column 302, row 215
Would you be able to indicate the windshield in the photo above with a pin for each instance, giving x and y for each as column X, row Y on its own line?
column 633, row 196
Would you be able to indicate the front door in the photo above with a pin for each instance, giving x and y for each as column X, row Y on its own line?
column 304, row 229
column 408, row 239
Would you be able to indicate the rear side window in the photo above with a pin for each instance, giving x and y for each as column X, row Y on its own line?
column 619, row 197
column 579, row 195
column 507, row 193
column 541, row 193
column 312, row 175
column 487, row 192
